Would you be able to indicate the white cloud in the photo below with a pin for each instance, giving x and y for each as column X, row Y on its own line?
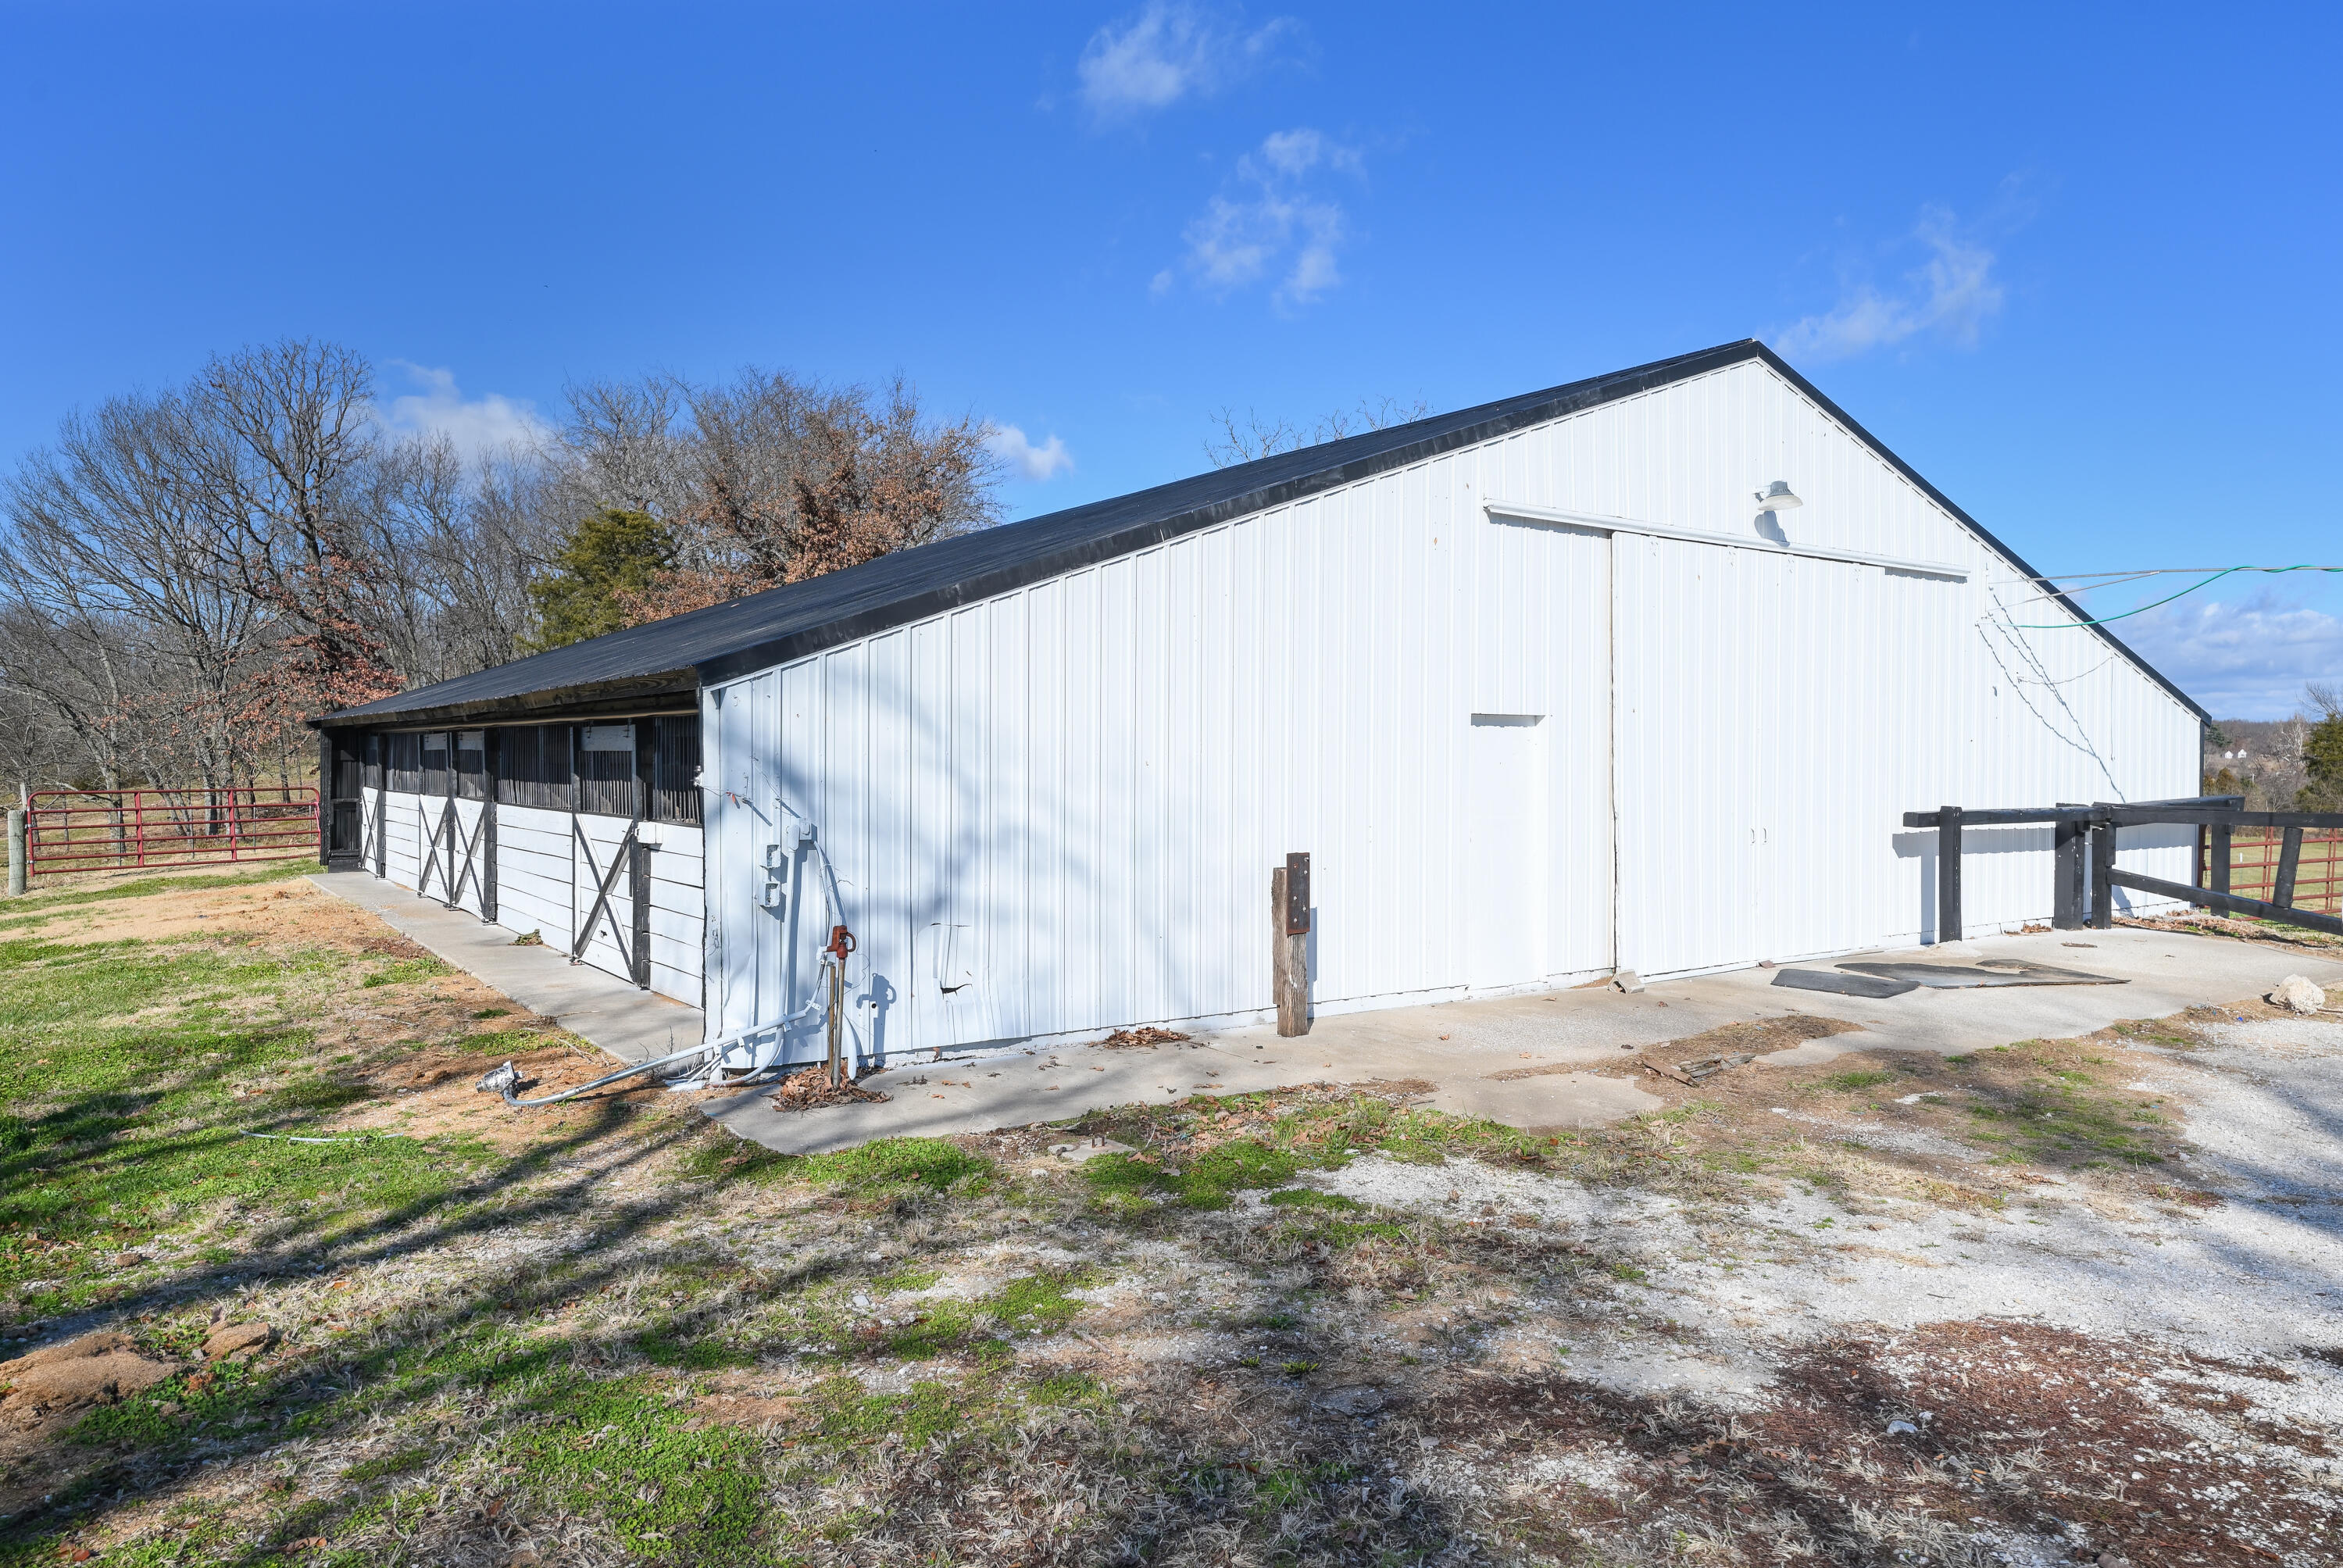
column 1166, row 52
column 1040, row 463
column 476, row 425
column 1950, row 296
column 1274, row 224
column 2246, row 660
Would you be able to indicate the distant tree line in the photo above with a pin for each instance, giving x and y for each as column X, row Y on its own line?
column 185, row 575
column 2286, row 765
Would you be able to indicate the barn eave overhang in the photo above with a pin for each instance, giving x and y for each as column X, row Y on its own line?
column 672, row 690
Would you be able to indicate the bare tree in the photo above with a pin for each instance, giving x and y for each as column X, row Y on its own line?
column 770, row 479
column 1251, row 438
column 282, row 436
column 188, row 575
column 115, row 607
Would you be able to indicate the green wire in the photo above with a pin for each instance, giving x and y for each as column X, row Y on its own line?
column 2192, row 588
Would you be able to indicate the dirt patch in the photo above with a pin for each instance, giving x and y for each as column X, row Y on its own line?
column 1871, row 1448
column 1755, row 1037
column 267, row 912
column 436, row 1091
column 55, row 1381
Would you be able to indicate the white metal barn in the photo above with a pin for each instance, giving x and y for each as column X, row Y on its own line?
column 1539, row 684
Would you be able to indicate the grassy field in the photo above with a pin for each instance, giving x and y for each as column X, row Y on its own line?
column 614, row 1334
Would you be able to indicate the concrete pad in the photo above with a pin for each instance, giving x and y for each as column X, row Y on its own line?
column 1459, row 1048
column 599, row 1009
column 1454, row 1051
column 1015, row 1088
column 1549, row 1101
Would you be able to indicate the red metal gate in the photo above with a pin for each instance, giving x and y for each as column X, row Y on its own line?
column 108, row 829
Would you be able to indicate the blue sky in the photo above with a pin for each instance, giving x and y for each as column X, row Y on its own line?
column 2077, row 265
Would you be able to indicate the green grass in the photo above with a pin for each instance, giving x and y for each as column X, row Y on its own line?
column 403, row 970
column 1857, row 1079
column 1032, row 1305
column 118, row 1067
column 1205, row 1180
column 888, row 1165
column 2050, row 1118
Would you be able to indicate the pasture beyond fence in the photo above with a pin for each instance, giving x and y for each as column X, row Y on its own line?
column 126, row 829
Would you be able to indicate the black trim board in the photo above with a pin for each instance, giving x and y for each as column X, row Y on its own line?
column 783, row 624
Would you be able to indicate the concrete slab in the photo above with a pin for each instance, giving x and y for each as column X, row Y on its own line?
column 1460, row 1048
column 1458, row 1052
column 1547, row 1101
column 599, row 1009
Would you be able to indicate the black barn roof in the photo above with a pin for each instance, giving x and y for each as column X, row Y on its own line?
column 663, row 664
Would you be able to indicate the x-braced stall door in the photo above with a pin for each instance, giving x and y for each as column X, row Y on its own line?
column 457, row 824
column 373, row 808
column 610, row 878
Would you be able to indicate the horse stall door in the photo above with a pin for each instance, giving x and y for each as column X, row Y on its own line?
column 604, row 839
column 469, row 847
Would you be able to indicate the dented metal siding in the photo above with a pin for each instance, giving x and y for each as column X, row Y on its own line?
column 1056, row 810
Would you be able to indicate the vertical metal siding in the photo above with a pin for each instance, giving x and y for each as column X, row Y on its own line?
column 1072, row 795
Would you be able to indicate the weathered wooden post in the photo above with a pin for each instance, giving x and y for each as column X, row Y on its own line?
column 16, row 852
column 1949, row 924
column 2216, row 871
column 2103, row 865
column 1289, row 908
column 2070, row 909
column 2290, row 864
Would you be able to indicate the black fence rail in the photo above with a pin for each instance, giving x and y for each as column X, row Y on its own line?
column 2083, row 887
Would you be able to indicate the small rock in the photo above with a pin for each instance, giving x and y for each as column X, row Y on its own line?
column 2297, row 995
column 1358, row 1399
column 1895, row 1428
column 2111, row 1560
column 1089, row 1149
column 246, row 1340
column 129, row 1260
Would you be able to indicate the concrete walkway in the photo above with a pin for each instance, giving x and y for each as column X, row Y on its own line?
column 599, row 1009
column 1458, row 1048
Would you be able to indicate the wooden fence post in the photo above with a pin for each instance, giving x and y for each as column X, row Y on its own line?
column 2070, row 909
column 1288, row 910
column 16, row 853
column 1949, row 924
column 2103, row 863
column 2289, row 862
column 2217, row 872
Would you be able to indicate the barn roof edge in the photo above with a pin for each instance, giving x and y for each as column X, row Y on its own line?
column 725, row 641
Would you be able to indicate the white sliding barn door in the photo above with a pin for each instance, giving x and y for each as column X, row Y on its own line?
column 1689, row 732
column 1534, row 780
column 1751, row 729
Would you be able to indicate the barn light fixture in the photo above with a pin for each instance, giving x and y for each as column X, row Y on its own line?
column 1778, row 497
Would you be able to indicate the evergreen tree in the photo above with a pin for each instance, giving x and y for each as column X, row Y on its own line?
column 2322, row 760
column 613, row 552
